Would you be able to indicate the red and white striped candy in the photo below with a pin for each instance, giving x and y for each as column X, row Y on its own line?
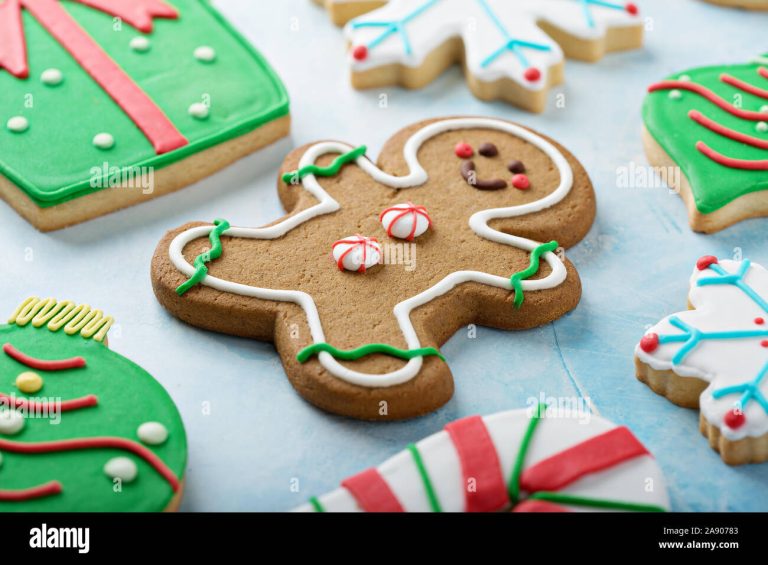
column 405, row 221
column 357, row 253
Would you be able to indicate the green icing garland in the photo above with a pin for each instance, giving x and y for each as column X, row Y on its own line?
column 364, row 350
column 293, row 177
column 201, row 271
column 517, row 279
column 434, row 503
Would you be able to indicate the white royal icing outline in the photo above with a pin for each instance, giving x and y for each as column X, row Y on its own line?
column 417, row 176
column 626, row 481
column 721, row 363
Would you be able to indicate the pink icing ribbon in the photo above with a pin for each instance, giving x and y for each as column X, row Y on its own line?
column 137, row 105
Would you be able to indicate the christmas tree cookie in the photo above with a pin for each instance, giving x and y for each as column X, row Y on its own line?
column 376, row 265
column 516, row 461
column 109, row 103
column 715, row 357
column 512, row 50
column 706, row 130
column 81, row 427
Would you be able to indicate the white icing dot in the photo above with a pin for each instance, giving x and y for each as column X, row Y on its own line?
column 205, row 54
column 52, row 77
column 18, row 124
column 764, row 109
column 684, row 78
column 152, row 433
column 104, row 141
column 675, row 94
column 121, row 468
column 199, row 110
column 140, row 44
column 762, row 127
column 11, row 422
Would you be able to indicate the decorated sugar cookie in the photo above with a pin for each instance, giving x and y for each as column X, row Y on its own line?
column 712, row 124
column 518, row 461
column 134, row 99
column 512, row 50
column 715, row 357
column 361, row 339
column 81, row 427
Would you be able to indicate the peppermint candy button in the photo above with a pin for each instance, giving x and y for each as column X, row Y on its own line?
column 356, row 253
column 405, row 221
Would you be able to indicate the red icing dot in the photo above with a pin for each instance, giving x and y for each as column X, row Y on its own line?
column 705, row 262
column 649, row 343
column 532, row 74
column 521, row 182
column 764, row 343
column 735, row 418
column 759, row 321
column 632, row 8
column 360, row 53
column 464, row 150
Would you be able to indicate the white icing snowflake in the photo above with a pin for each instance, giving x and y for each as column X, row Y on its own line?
column 723, row 341
column 503, row 39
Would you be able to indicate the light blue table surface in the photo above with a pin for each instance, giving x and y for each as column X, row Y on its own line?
column 253, row 439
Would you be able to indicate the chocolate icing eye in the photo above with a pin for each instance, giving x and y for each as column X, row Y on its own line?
column 516, row 167
column 488, row 150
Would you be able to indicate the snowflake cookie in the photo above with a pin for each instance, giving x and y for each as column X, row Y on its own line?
column 512, row 50
column 711, row 125
column 715, row 357
column 516, row 461
column 377, row 265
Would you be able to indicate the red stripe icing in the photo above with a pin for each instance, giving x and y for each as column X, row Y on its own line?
column 42, row 364
column 720, row 129
column 539, row 506
column 42, row 491
column 763, row 72
column 709, row 95
column 730, row 161
column 591, row 456
column 138, row 13
column 13, row 48
column 483, row 483
column 65, row 406
column 372, row 492
column 745, row 86
column 94, row 443
column 147, row 116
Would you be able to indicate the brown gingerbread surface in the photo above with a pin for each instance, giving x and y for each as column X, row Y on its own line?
column 357, row 308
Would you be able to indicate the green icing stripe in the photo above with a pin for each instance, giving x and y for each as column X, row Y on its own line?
column 517, row 279
column 293, row 177
column 434, row 503
column 595, row 502
column 201, row 271
column 365, row 350
column 316, row 504
column 517, row 469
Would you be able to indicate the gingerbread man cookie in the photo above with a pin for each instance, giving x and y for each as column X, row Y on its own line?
column 715, row 357
column 706, row 132
column 376, row 265
column 82, row 429
column 746, row 4
column 512, row 50
column 515, row 461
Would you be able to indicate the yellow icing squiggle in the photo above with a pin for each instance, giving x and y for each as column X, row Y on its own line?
column 63, row 314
